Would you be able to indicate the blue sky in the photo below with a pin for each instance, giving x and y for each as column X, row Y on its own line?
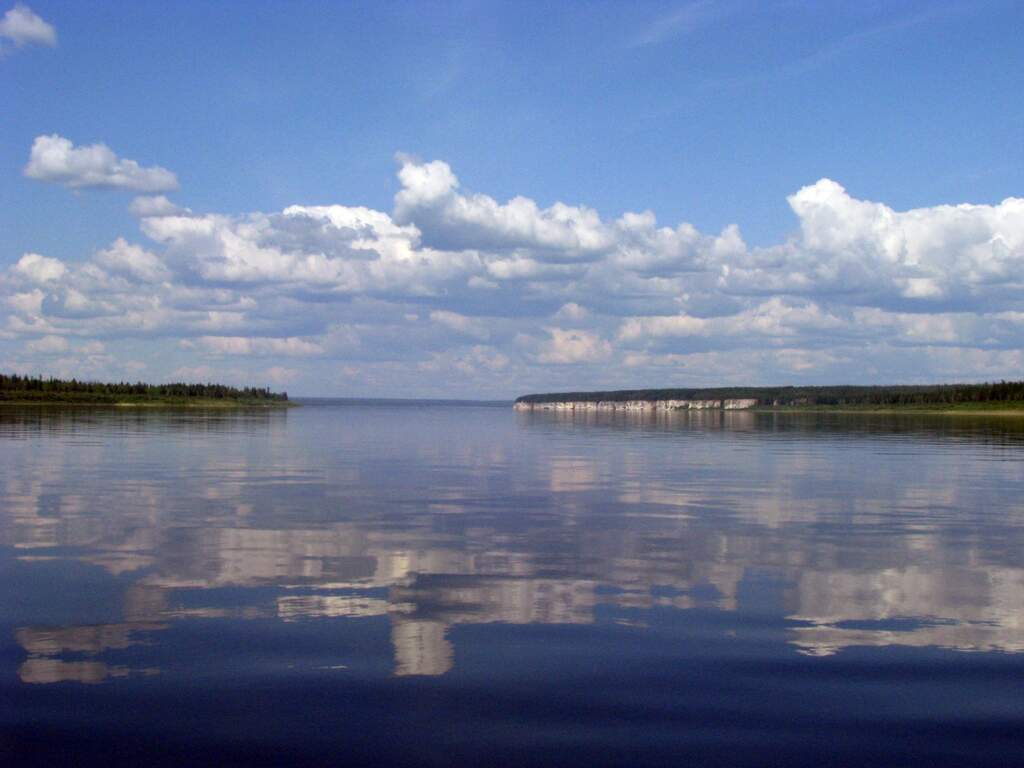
column 482, row 199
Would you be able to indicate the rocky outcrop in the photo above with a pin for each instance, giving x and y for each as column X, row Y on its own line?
column 638, row 405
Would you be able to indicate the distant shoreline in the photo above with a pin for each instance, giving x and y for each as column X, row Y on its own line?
column 999, row 409
column 203, row 404
column 1004, row 397
column 35, row 390
column 964, row 409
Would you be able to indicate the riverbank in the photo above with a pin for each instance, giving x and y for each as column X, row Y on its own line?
column 1004, row 397
column 1009, row 408
column 28, row 390
column 205, row 403
column 971, row 409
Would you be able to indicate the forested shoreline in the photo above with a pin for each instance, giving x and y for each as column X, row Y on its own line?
column 36, row 389
column 926, row 395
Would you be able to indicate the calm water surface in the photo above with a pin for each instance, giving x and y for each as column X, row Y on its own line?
column 466, row 585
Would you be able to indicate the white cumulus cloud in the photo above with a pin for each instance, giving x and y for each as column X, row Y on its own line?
column 40, row 269
column 21, row 26
column 431, row 199
column 242, row 345
column 55, row 159
column 568, row 346
column 133, row 261
column 872, row 253
column 516, row 296
column 460, row 323
column 48, row 345
column 154, row 205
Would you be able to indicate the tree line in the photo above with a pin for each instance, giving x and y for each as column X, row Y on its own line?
column 925, row 394
column 15, row 387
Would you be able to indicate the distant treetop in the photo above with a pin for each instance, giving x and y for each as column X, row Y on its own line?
column 15, row 387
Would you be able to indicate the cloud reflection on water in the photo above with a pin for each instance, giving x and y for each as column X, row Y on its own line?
column 869, row 531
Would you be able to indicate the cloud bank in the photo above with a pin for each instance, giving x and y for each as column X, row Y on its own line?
column 456, row 293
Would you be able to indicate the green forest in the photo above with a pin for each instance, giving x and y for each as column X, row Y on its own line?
column 35, row 389
column 877, row 396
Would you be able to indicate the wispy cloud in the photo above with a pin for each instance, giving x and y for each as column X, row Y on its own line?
column 835, row 49
column 678, row 22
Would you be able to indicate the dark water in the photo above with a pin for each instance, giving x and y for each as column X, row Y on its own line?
column 437, row 585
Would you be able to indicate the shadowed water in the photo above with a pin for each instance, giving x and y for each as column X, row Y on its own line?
column 431, row 584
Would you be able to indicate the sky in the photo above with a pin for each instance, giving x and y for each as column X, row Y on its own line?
column 482, row 199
